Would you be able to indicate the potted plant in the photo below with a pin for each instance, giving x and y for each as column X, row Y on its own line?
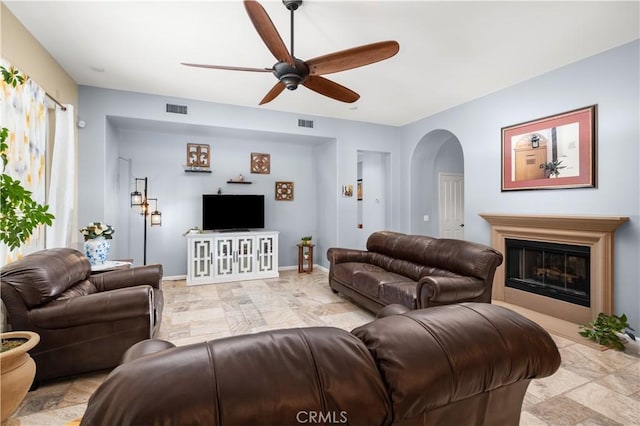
column 552, row 168
column 17, row 369
column 609, row 330
column 96, row 244
column 20, row 215
column 306, row 240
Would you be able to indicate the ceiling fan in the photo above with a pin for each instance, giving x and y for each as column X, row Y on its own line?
column 291, row 71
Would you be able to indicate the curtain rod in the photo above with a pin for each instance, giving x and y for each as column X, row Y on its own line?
column 64, row 108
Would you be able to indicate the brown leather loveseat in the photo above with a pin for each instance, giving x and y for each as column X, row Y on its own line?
column 416, row 271
column 85, row 322
column 466, row 364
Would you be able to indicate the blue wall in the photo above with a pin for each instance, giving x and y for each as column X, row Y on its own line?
column 610, row 80
column 130, row 135
column 329, row 160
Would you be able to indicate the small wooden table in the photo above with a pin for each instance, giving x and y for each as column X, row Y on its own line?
column 305, row 255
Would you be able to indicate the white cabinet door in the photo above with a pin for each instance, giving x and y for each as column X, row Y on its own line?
column 200, row 267
column 245, row 256
column 266, row 255
column 224, row 255
column 234, row 257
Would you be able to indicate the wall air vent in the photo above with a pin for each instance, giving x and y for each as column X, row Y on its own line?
column 305, row 123
column 177, row 109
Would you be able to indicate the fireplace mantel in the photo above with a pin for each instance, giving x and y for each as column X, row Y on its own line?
column 596, row 232
column 579, row 223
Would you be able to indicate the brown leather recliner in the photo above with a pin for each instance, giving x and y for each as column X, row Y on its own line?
column 85, row 322
column 466, row 364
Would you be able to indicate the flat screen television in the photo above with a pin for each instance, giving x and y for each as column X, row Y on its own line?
column 232, row 212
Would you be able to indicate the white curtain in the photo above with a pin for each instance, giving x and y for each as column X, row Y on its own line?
column 63, row 177
column 24, row 114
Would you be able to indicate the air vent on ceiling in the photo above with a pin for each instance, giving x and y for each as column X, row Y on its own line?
column 305, row 123
column 177, row 109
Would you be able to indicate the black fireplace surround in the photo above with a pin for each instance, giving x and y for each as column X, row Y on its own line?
column 559, row 271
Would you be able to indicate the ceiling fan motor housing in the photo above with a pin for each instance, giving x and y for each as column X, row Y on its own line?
column 290, row 76
column 292, row 4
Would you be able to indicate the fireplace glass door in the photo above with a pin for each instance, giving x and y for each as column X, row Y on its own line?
column 560, row 271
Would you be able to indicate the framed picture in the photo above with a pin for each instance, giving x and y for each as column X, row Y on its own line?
column 260, row 163
column 359, row 190
column 347, row 190
column 198, row 155
column 551, row 153
column 284, row 191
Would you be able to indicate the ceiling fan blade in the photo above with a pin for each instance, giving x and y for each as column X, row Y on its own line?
column 222, row 67
column 268, row 31
column 273, row 93
column 352, row 58
column 331, row 89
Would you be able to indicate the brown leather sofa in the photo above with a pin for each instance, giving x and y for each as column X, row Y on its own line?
column 416, row 271
column 85, row 322
column 465, row 364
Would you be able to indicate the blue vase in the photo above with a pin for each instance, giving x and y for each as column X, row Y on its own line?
column 97, row 250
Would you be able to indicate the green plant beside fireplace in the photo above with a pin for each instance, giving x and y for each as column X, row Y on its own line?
column 20, row 214
column 605, row 330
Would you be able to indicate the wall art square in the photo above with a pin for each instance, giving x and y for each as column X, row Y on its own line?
column 198, row 155
column 260, row 163
column 552, row 152
column 284, row 191
column 347, row 190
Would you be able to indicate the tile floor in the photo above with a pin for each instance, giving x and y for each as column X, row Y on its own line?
column 592, row 387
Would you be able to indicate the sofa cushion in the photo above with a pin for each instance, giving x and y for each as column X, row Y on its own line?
column 402, row 292
column 83, row 288
column 453, row 366
column 459, row 256
column 280, row 377
column 44, row 275
column 370, row 282
column 344, row 271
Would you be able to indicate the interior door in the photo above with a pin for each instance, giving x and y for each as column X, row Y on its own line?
column 451, row 200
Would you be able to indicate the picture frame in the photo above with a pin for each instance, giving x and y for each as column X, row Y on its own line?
column 554, row 152
column 359, row 190
column 198, row 155
column 260, row 163
column 284, row 191
column 347, row 190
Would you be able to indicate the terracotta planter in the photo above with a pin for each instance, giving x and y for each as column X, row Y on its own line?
column 17, row 370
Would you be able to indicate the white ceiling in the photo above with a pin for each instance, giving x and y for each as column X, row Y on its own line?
column 450, row 51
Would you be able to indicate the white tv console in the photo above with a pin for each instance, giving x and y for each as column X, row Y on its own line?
column 216, row 257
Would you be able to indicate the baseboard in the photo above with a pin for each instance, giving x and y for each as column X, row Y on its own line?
column 174, row 278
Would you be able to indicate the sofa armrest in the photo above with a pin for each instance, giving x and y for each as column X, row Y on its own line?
column 337, row 255
column 107, row 306
column 141, row 275
column 445, row 290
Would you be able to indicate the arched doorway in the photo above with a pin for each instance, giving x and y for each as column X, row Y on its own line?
column 437, row 155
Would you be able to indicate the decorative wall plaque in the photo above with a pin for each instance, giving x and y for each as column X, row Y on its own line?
column 198, row 155
column 260, row 163
column 284, row 191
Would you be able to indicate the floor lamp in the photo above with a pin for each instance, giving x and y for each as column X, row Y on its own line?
column 140, row 199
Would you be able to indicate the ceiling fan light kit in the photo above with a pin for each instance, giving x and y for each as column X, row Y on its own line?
column 291, row 71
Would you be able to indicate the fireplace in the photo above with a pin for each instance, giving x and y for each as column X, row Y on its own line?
column 559, row 271
column 589, row 241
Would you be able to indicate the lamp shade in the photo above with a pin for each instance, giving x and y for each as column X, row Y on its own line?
column 156, row 218
column 136, row 198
